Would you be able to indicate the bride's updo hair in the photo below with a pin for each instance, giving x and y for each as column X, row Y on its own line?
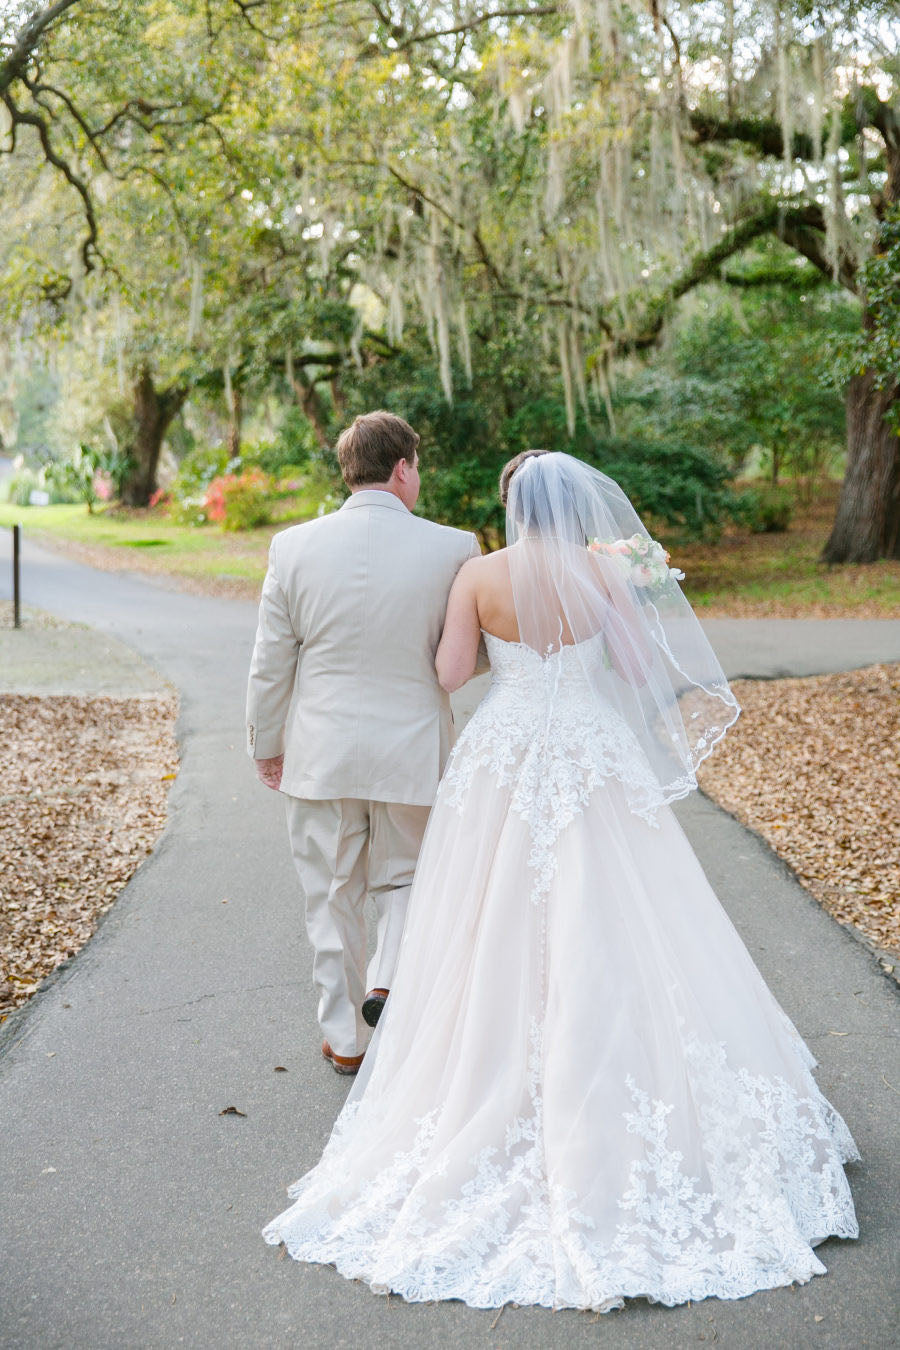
column 509, row 469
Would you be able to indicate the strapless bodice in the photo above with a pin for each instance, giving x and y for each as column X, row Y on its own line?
column 544, row 732
column 562, row 672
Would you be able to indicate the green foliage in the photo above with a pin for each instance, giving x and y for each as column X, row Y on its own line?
column 463, row 492
column 89, row 474
column 288, row 194
column 195, row 473
column 676, row 485
column 510, row 408
column 36, row 397
column 766, row 510
column 17, row 487
column 76, row 475
column 238, row 492
column 179, row 437
column 292, row 450
column 240, row 501
column 877, row 346
column 746, row 376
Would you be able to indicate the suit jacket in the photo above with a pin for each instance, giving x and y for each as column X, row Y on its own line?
column 342, row 680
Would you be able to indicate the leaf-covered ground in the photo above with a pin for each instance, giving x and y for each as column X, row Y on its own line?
column 812, row 766
column 82, row 802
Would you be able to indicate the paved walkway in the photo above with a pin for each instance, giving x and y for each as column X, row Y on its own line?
column 130, row 1208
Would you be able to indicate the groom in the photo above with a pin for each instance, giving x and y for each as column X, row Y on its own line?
column 345, row 714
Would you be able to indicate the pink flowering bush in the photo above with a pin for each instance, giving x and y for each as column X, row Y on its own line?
column 214, row 500
column 103, row 487
column 239, row 501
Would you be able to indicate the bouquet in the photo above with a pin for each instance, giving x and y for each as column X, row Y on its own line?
column 642, row 560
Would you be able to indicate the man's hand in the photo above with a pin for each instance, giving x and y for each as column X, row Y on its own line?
column 268, row 771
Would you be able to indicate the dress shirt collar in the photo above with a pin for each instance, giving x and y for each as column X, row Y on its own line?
column 374, row 497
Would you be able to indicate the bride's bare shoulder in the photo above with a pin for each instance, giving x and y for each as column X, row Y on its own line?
column 486, row 568
column 496, row 562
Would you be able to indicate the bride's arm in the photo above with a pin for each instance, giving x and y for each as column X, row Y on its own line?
column 626, row 644
column 457, row 653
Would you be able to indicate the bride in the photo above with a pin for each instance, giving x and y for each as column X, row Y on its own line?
column 581, row 1089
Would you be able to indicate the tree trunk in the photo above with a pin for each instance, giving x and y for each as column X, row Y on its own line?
column 153, row 411
column 307, row 396
column 235, row 422
column 337, row 396
column 867, row 524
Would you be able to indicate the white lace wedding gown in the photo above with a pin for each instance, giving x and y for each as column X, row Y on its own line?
column 581, row 1088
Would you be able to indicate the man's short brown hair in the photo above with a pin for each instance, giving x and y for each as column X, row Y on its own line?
column 369, row 448
column 509, row 469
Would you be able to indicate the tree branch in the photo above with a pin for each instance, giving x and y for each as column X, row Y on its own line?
column 762, row 132
column 128, row 110
column 785, row 275
column 804, row 230
column 872, row 111
column 801, row 226
column 27, row 40
column 31, row 119
column 542, row 12
column 37, row 89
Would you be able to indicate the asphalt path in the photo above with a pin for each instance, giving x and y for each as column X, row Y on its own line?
column 130, row 1208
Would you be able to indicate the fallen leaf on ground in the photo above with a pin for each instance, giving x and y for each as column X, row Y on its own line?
column 82, row 804
column 812, row 766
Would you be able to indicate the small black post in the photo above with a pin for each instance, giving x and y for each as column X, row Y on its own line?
column 17, row 610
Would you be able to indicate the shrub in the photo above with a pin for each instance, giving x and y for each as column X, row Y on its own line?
column 90, row 475
column 510, row 408
column 676, row 486
column 197, row 470
column 293, row 449
column 766, row 510
column 291, row 478
column 240, row 501
column 465, row 492
column 195, row 473
column 18, row 486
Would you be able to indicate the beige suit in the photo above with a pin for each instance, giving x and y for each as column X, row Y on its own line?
column 342, row 683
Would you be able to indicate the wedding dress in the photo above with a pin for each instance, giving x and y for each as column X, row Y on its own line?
column 581, row 1088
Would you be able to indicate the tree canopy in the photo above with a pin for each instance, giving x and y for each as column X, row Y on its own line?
column 226, row 193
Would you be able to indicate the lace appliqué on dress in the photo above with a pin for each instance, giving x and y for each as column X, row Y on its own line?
column 772, row 1186
column 540, row 733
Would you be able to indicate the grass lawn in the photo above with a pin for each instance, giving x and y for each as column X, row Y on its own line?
column 781, row 575
column 742, row 574
column 148, row 541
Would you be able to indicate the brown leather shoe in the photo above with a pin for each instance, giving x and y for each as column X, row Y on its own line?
column 373, row 1006
column 346, row 1064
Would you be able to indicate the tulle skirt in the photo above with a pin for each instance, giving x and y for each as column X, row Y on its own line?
column 576, row 1094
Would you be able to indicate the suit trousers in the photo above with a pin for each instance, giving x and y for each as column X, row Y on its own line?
column 345, row 850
